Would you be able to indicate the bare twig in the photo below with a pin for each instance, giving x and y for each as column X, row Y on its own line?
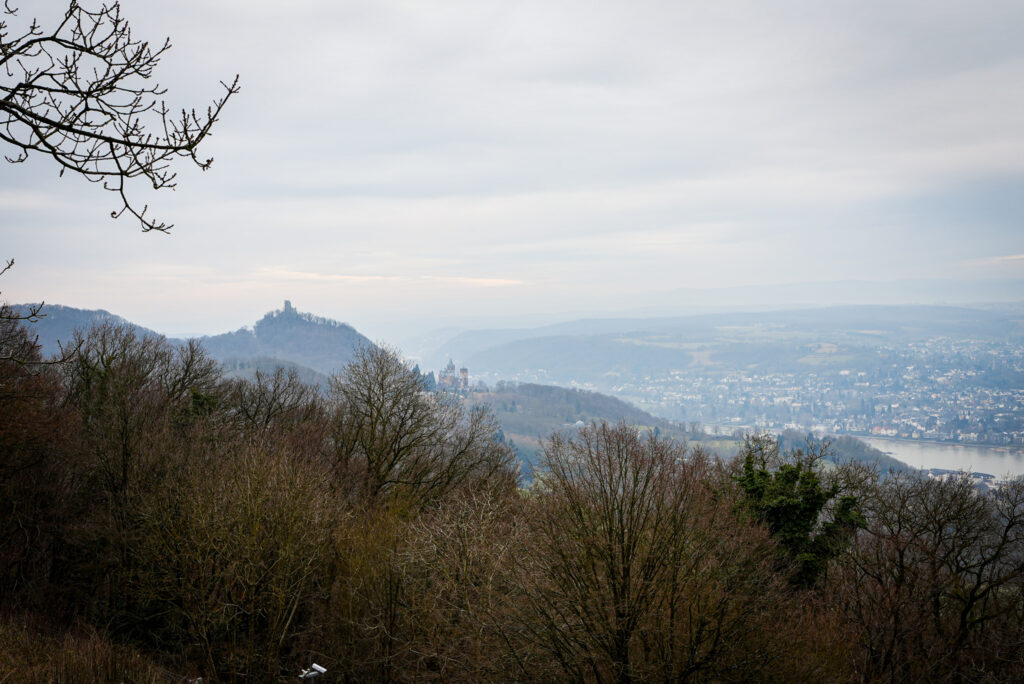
column 78, row 94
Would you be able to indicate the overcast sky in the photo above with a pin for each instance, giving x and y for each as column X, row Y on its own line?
column 391, row 161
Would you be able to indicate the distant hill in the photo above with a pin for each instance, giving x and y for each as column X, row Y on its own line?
column 590, row 350
column 247, row 368
column 862, row 324
column 59, row 323
column 529, row 413
column 324, row 345
column 844, row 448
column 315, row 347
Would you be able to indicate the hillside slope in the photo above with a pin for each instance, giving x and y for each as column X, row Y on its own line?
column 529, row 413
column 592, row 347
column 324, row 345
column 314, row 346
column 58, row 324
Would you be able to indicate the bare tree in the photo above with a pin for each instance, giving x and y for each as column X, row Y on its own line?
column 933, row 587
column 15, row 343
column 638, row 570
column 34, row 428
column 130, row 391
column 229, row 559
column 78, row 93
column 400, row 440
column 267, row 401
column 457, row 574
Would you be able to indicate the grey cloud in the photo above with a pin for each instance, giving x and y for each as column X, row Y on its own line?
column 586, row 145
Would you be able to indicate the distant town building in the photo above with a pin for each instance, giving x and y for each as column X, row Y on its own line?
column 451, row 380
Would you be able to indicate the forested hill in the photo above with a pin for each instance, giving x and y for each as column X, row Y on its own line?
column 843, row 449
column 58, row 324
column 529, row 413
column 314, row 346
column 321, row 344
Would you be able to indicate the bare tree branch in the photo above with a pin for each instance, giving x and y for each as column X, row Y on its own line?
column 16, row 344
column 78, row 94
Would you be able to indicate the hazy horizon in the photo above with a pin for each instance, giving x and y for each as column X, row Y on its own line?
column 415, row 335
column 395, row 165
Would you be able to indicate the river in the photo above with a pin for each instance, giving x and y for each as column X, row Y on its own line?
column 998, row 461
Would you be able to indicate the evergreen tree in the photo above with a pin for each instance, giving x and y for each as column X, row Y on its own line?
column 788, row 496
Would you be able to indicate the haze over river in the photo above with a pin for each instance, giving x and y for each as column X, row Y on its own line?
column 993, row 460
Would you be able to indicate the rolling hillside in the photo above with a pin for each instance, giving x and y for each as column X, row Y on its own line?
column 321, row 344
column 529, row 413
column 591, row 350
column 314, row 346
column 58, row 324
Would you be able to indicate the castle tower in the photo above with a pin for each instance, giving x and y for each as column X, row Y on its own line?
column 447, row 378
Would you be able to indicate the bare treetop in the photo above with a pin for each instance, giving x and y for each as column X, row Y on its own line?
column 80, row 94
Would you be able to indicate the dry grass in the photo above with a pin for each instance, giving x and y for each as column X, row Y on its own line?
column 29, row 652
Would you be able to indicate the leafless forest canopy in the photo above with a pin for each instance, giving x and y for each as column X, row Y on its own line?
column 159, row 517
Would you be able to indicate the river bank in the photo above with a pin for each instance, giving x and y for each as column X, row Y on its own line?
column 994, row 460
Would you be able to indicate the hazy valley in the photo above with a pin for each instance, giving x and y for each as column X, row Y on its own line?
column 950, row 374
